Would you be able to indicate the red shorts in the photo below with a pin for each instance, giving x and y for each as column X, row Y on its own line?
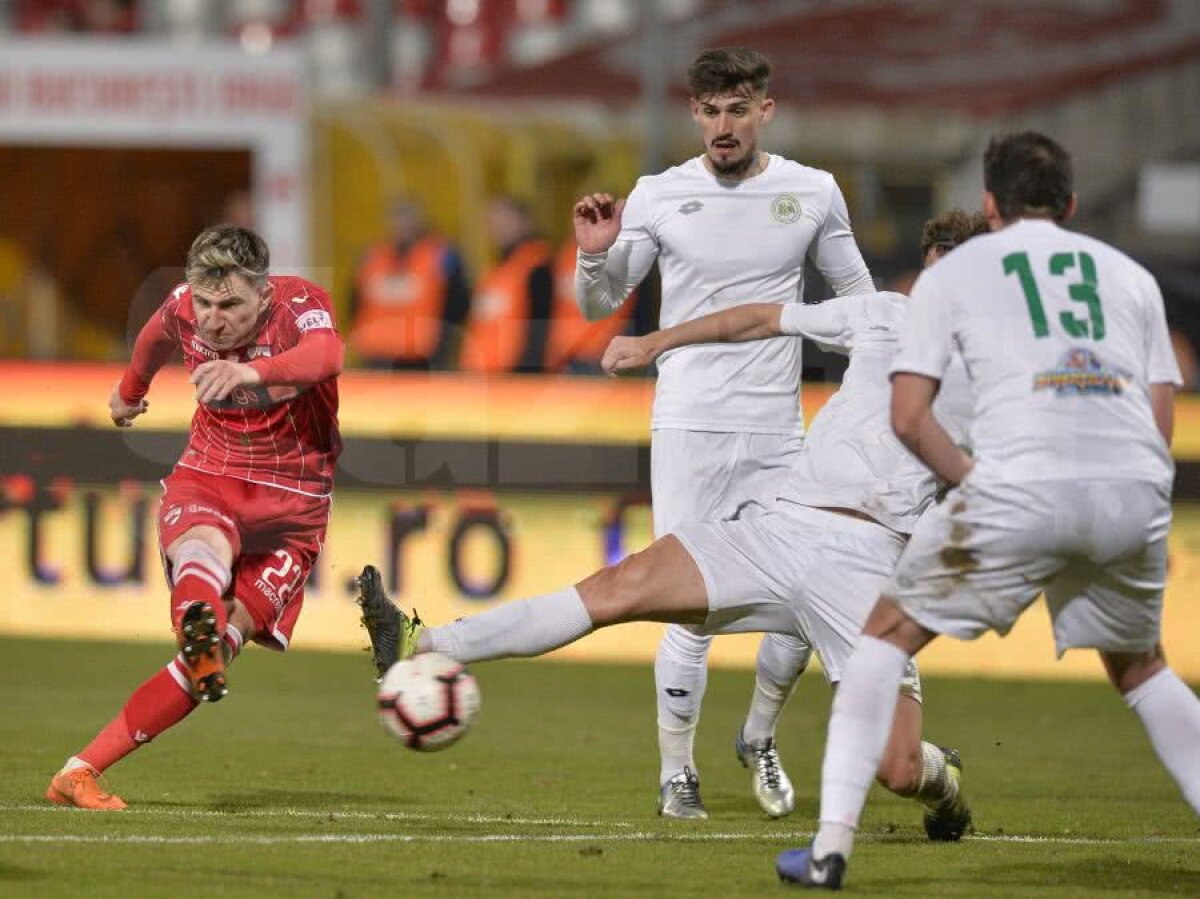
column 276, row 537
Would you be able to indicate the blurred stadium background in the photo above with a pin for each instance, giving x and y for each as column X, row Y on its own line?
column 127, row 126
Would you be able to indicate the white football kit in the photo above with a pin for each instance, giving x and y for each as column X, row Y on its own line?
column 1071, row 489
column 799, row 568
column 720, row 244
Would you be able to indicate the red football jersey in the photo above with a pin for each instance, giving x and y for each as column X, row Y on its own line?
column 279, row 435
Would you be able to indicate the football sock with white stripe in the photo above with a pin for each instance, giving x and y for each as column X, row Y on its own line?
column 863, row 709
column 526, row 627
column 1170, row 712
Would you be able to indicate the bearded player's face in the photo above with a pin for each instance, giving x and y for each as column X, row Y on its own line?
column 227, row 314
column 729, row 125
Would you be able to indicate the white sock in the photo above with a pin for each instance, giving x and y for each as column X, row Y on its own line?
column 781, row 660
column 680, row 677
column 1170, row 712
column 75, row 762
column 863, row 709
column 526, row 627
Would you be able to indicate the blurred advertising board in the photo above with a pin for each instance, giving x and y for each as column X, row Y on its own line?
column 465, row 493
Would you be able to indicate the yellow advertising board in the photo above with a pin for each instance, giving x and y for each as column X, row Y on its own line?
column 90, row 569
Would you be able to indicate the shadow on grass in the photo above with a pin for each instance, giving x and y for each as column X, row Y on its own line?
column 1079, row 877
column 12, row 873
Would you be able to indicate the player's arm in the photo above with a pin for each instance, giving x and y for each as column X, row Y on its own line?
column 917, row 428
column 616, row 251
column 316, row 358
column 1162, row 402
column 155, row 345
column 835, row 253
column 1162, row 369
column 917, row 371
column 738, row 324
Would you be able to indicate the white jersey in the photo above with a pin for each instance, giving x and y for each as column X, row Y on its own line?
column 851, row 457
column 1062, row 335
column 720, row 244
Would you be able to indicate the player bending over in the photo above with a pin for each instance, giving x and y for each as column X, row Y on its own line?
column 1069, row 492
column 244, row 512
column 811, row 566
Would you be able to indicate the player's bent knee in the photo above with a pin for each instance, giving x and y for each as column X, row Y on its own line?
column 617, row 593
column 1128, row 671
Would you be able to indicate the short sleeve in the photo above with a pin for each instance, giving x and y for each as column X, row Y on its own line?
column 1161, row 365
column 926, row 338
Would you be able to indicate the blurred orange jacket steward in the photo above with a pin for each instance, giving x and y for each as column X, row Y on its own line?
column 499, row 326
column 401, row 301
column 573, row 337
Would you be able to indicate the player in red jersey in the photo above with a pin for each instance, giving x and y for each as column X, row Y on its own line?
column 243, row 514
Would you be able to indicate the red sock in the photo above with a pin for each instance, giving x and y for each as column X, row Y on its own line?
column 162, row 701
column 199, row 576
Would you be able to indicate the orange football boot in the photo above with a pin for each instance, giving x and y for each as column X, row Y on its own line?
column 80, row 787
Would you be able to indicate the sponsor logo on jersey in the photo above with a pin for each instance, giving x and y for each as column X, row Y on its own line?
column 314, row 318
column 785, row 209
column 690, row 207
column 257, row 352
column 1082, row 372
column 200, row 348
column 172, row 515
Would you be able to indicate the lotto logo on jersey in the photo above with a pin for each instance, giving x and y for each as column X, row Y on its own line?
column 1081, row 371
column 314, row 318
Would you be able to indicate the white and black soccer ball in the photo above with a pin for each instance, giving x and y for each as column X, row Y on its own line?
column 428, row 701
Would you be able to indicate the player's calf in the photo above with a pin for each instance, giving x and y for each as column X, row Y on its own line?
column 200, row 641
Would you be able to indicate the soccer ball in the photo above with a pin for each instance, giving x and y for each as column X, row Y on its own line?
column 428, row 701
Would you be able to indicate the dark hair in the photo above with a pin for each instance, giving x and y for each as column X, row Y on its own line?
column 224, row 250
column 728, row 70
column 951, row 229
column 1028, row 174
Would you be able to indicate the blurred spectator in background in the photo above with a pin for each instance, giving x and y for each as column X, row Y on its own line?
column 577, row 345
column 410, row 297
column 510, row 311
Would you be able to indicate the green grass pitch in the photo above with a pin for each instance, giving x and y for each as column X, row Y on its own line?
column 291, row 787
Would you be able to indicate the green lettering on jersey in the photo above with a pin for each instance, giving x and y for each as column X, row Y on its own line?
column 1083, row 291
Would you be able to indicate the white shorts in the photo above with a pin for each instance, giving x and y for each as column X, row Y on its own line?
column 1097, row 548
column 716, row 476
column 799, row 571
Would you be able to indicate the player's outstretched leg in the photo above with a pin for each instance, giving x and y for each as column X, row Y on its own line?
column 161, row 702
column 680, row 678
column 660, row 583
column 781, row 660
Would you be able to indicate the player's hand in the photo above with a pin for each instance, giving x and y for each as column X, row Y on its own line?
column 624, row 353
column 597, row 222
column 218, row 378
column 123, row 413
